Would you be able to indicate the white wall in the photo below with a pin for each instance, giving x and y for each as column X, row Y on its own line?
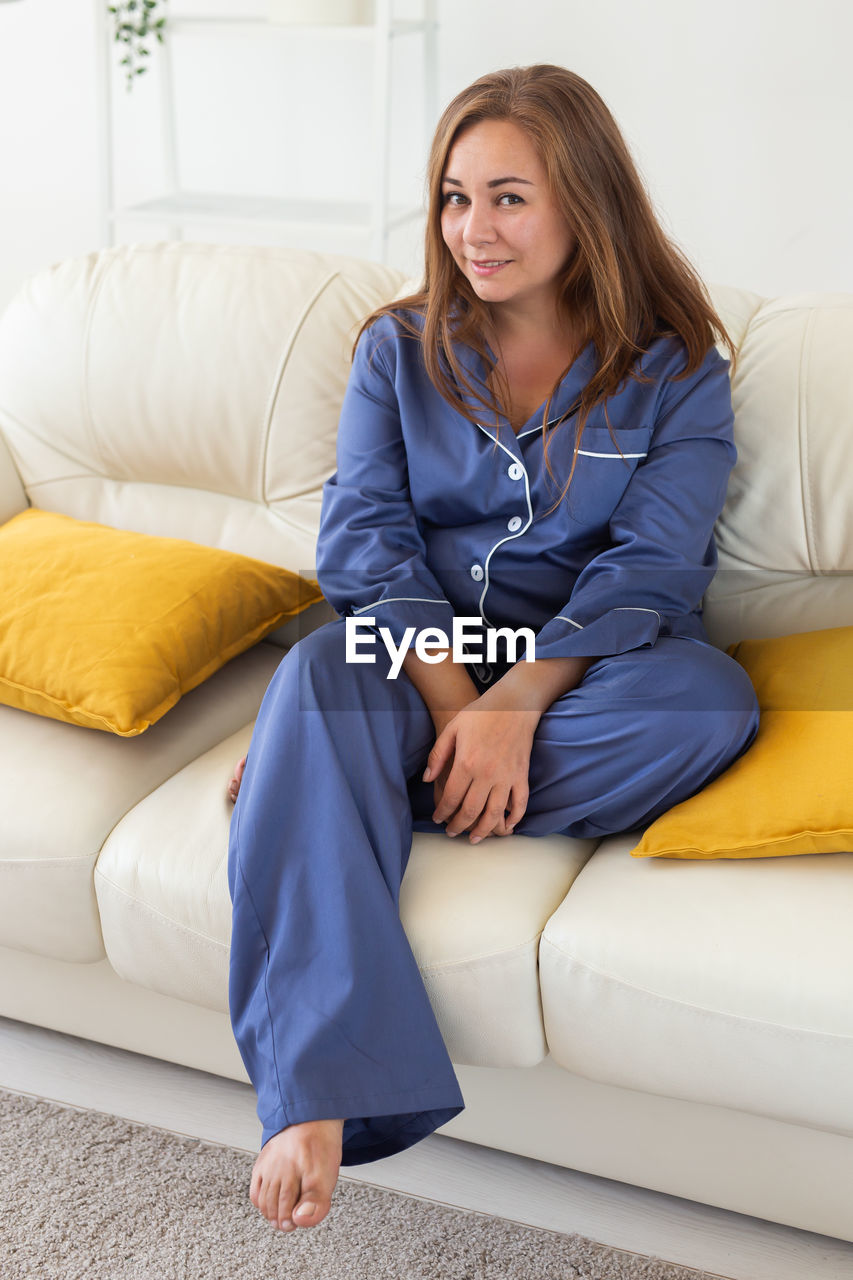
column 738, row 113
column 48, row 152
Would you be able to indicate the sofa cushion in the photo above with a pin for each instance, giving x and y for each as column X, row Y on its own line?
column 108, row 629
column 473, row 915
column 64, row 788
column 194, row 389
column 785, row 536
column 790, row 793
column 725, row 983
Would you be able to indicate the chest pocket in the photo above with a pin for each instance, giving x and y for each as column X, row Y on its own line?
column 602, row 473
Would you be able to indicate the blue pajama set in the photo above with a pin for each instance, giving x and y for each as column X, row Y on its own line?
column 430, row 517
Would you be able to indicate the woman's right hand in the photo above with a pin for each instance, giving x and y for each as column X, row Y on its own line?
column 480, row 761
column 480, row 764
column 236, row 779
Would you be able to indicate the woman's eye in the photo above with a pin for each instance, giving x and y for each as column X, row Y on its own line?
column 511, row 198
column 454, row 198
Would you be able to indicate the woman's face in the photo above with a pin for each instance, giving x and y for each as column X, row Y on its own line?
column 499, row 218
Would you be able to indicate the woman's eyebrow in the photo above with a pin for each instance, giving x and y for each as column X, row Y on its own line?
column 495, row 182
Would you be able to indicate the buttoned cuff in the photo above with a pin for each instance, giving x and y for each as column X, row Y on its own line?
column 616, row 631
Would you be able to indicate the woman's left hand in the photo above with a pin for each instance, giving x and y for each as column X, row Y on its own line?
column 482, row 757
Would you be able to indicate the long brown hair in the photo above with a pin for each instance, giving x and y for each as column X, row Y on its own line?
column 625, row 284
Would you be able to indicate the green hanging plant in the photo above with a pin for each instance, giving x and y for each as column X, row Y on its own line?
column 134, row 21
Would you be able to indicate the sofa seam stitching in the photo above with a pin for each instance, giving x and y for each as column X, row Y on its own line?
column 155, row 911
column 809, row 522
column 695, row 1008
column 287, row 352
column 476, row 961
column 480, row 961
column 824, row 303
column 749, row 320
column 94, row 298
column 48, row 862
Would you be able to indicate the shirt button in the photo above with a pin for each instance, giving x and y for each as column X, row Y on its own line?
column 515, row 523
column 516, row 471
column 477, row 572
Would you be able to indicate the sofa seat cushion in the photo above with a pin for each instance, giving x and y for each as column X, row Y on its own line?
column 63, row 788
column 723, row 982
column 473, row 914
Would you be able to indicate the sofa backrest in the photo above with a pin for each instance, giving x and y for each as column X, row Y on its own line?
column 193, row 390
column 785, row 537
column 187, row 390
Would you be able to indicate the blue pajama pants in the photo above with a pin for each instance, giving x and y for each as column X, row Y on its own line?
column 327, row 1004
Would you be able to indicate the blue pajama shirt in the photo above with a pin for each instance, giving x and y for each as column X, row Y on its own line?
column 430, row 517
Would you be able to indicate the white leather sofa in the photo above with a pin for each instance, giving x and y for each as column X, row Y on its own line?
column 684, row 1026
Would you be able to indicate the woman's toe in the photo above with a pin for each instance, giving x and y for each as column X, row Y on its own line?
column 312, row 1208
column 283, row 1211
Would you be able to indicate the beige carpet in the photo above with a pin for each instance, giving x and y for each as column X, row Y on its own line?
column 87, row 1196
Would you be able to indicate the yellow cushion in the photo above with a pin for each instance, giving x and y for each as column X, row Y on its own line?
column 792, row 791
column 108, row 629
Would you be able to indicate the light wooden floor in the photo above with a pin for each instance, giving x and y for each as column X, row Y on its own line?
column 77, row 1072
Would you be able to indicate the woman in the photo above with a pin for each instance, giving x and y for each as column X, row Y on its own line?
column 541, row 437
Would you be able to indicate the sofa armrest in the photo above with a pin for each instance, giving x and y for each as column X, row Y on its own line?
column 12, row 496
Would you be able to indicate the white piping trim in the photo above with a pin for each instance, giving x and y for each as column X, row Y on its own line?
column 538, row 427
column 628, row 608
column 398, row 599
column 588, row 453
column 510, row 537
column 619, row 608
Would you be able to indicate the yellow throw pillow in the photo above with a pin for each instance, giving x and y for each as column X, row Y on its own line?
column 108, row 629
column 792, row 790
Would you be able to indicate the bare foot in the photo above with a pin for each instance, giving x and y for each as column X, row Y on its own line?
column 237, row 778
column 295, row 1174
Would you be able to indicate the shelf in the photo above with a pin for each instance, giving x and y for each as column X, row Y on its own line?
column 254, row 26
column 258, row 211
column 374, row 218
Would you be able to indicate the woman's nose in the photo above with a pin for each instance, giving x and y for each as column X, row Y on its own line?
column 479, row 225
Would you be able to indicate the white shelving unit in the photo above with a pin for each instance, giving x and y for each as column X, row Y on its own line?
column 178, row 207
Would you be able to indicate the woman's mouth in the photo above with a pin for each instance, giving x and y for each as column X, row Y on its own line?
column 488, row 266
